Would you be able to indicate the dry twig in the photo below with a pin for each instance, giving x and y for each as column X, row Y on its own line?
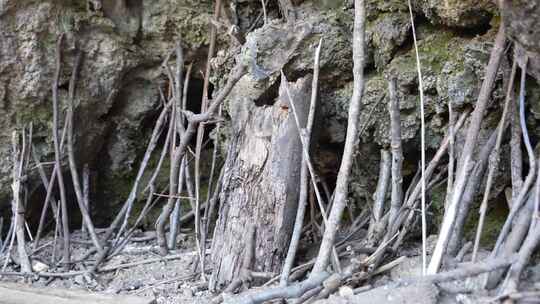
column 465, row 167
column 304, row 175
column 494, row 162
column 342, row 183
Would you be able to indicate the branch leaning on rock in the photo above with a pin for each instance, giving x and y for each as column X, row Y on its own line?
column 397, row 150
column 411, row 201
column 87, row 220
column 422, row 140
column 49, row 185
column 304, row 174
column 193, row 120
column 378, row 221
column 494, row 161
column 58, row 152
column 342, row 183
column 18, row 208
column 464, row 166
column 123, row 211
column 533, row 237
column 178, row 123
column 200, row 135
column 517, row 203
column 169, row 105
column 465, row 271
column 306, row 158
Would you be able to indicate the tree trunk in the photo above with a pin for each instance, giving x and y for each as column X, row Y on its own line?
column 260, row 184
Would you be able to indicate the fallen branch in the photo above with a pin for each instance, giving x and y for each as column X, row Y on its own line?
column 292, row 291
column 451, row 155
column 86, row 194
column 527, row 250
column 158, row 127
column 469, row 194
column 516, row 155
column 332, row 284
column 534, row 295
column 460, row 273
column 408, row 208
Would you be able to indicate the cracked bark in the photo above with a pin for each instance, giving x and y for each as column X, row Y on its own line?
column 261, row 185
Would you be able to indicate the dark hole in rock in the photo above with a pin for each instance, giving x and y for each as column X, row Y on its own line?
column 36, row 199
column 270, row 95
column 103, row 210
column 477, row 30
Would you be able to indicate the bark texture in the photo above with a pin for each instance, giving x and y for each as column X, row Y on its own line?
column 260, row 184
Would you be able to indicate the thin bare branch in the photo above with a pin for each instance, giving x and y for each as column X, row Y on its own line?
column 518, row 202
column 494, row 161
column 397, row 151
column 304, row 174
column 342, row 183
column 193, row 120
column 377, row 225
column 58, row 153
column 71, row 154
column 466, row 160
column 422, row 142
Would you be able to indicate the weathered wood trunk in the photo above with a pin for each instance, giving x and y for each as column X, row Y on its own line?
column 261, row 184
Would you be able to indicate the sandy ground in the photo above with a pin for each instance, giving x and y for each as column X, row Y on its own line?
column 175, row 281
column 169, row 281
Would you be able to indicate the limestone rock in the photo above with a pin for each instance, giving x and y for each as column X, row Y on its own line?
column 117, row 89
column 522, row 20
column 458, row 13
column 414, row 294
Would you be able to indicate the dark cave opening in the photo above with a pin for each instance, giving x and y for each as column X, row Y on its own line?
column 101, row 208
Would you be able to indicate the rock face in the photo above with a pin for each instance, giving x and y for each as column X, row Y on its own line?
column 125, row 43
column 523, row 20
column 118, row 85
column 456, row 13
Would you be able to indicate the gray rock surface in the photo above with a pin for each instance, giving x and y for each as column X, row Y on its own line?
column 118, row 95
column 118, row 86
column 414, row 294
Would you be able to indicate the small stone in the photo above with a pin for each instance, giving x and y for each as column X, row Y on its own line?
column 38, row 266
column 79, row 280
column 187, row 292
column 346, row 291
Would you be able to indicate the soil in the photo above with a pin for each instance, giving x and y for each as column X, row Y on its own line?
column 168, row 281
